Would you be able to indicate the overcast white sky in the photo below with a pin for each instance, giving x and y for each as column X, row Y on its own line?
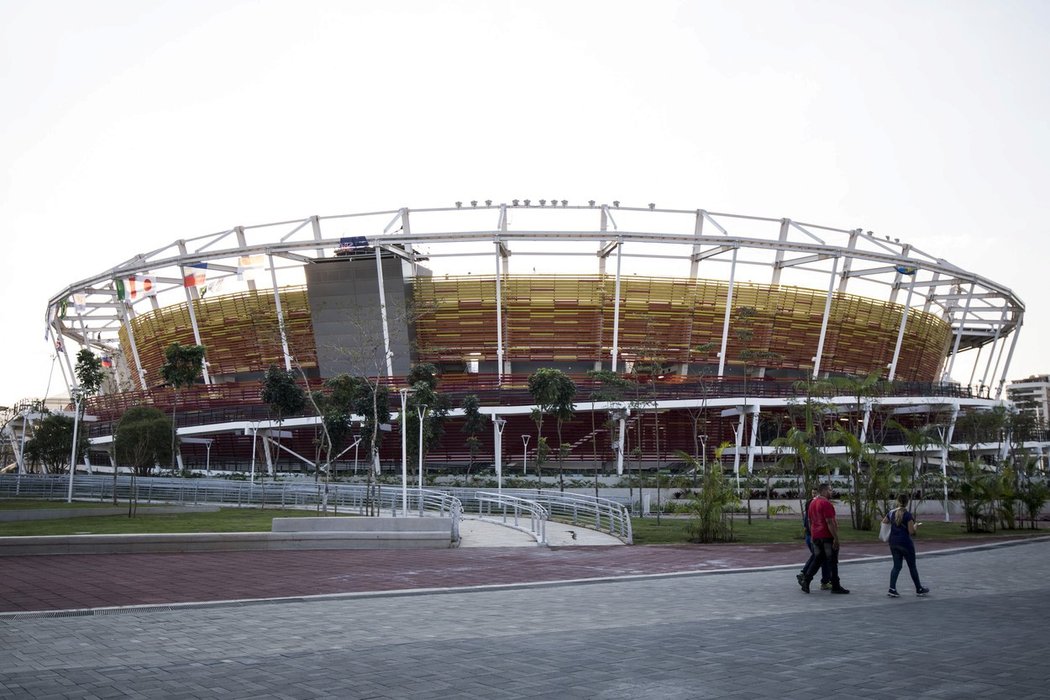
column 127, row 125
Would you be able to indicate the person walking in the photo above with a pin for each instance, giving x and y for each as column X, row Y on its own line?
column 902, row 529
column 825, row 533
column 825, row 576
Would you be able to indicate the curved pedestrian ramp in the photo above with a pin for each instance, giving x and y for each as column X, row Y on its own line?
column 489, row 531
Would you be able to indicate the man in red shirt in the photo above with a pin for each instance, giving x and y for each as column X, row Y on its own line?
column 825, row 533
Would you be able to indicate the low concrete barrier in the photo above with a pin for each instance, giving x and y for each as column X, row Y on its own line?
column 358, row 524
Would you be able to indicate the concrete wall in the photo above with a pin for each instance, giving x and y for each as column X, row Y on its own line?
column 347, row 323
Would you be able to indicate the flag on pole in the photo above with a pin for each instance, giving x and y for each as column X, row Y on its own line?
column 141, row 286
column 135, row 287
column 197, row 277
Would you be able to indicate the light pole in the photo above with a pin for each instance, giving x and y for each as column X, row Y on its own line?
column 499, row 424
column 357, row 442
column 703, row 456
column 421, row 411
column 525, row 454
column 77, row 398
column 404, row 453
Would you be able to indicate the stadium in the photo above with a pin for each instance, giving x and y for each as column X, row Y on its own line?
column 722, row 321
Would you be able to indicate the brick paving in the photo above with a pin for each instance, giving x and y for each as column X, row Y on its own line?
column 742, row 634
column 79, row 581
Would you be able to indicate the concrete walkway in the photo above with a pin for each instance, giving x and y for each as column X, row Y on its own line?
column 475, row 532
column 746, row 634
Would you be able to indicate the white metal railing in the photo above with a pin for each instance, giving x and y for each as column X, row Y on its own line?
column 601, row 514
column 348, row 498
column 582, row 510
column 516, row 505
column 514, row 511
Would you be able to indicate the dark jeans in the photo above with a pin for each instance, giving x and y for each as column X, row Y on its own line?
column 825, row 554
column 825, row 575
column 904, row 553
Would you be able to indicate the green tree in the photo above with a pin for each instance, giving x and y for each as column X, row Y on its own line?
column 609, row 387
column 473, row 423
column 142, row 439
column 864, row 482
column 89, row 372
column 423, row 380
column 866, row 487
column 283, row 394
column 90, row 377
column 183, row 364
column 52, row 442
column 919, row 440
column 978, row 491
column 799, row 455
column 334, row 404
column 752, row 359
column 553, row 392
column 712, row 506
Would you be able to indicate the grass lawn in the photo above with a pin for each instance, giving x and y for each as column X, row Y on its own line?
column 223, row 520
column 37, row 504
column 763, row 531
column 669, row 530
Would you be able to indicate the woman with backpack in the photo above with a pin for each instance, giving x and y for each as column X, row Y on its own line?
column 902, row 529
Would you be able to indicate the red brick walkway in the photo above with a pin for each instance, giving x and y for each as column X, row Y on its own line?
column 67, row 582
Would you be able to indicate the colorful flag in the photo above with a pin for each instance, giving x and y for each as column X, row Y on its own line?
column 135, row 287
column 213, row 286
column 197, row 277
column 906, row 269
column 141, row 286
column 107, row 362
column 80, row 303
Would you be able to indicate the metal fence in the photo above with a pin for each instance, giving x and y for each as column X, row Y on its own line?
column 601, row 514
column 582, row 510
column 346, row 498
column 515, row 511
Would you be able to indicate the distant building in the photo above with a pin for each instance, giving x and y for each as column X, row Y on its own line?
column 1032, row 395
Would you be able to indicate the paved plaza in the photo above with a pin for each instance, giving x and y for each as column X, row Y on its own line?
column 744, row 634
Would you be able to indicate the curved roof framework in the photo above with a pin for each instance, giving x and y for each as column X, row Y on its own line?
column 493, row 237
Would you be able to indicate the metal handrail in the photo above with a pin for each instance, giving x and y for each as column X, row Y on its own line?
column 601, row 514
column 514, row 508
column 352, row 498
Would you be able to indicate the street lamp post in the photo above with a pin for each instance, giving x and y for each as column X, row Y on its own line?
column 357, row 442
column 77, row 398
column 421, row 411
column 525, row 454
column 703, row 458
column 404, row 453
column 499, row 424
